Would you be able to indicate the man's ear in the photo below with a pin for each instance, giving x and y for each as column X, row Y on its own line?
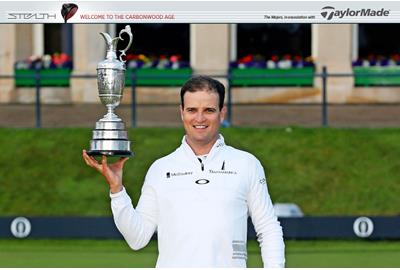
column 222, row 114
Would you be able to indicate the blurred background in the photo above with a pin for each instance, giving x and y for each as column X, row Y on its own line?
column 319, row 105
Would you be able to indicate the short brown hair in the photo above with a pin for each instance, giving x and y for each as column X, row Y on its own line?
column 204, row 83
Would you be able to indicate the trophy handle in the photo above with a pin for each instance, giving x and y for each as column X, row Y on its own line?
column 128, row 31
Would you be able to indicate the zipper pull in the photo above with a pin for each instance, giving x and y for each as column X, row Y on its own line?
column 202, row 165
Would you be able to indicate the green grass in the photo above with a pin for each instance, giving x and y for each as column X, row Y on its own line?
column 325, row 171
column 115, row 253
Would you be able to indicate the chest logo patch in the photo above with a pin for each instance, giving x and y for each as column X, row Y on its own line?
column 173, row 174
column 202, row 181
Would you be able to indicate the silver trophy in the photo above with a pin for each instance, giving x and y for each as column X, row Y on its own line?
column 110, row 137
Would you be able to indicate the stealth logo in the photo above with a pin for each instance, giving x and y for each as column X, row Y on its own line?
column 30, row 16
column 330, row 12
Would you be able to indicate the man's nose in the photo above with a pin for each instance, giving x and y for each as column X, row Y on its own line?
column 200, row 117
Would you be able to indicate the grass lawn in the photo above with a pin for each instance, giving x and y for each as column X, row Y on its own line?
column 325, row 171
column 115, row 253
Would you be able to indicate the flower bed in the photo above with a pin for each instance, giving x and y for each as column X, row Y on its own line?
column 54, row 70
column 377, row 65
column 157, row 71
column 288, row 71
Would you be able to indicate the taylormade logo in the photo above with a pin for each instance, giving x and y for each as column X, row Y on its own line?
column 330, row 12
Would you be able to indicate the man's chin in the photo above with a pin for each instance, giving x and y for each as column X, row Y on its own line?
column 203, row 140
column 199, row 138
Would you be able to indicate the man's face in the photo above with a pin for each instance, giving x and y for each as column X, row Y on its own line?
column 201, row 116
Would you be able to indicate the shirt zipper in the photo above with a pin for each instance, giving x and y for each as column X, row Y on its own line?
column 201, row 164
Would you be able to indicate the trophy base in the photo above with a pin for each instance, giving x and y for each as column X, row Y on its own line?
column 110, row 139
column 114, row 153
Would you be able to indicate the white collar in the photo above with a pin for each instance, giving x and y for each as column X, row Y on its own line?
column 218, row 145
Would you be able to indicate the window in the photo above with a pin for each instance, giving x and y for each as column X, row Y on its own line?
column 273, row 39
column 378, row 53
column 375, row 39
column 158, row 42
column 159, row 39
column 58, row 39
column 272, row 49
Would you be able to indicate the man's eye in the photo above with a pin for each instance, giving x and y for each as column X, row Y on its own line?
column 210, row 110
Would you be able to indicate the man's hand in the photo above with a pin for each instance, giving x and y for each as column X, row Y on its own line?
column 112, row 172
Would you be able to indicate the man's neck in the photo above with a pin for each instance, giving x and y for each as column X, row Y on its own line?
column 201, row 149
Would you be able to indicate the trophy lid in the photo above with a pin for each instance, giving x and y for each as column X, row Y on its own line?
column 111, row 61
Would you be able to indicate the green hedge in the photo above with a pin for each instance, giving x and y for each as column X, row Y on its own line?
column 253, row 77
column 46, row 77
column 376, row 81
column 145, row 77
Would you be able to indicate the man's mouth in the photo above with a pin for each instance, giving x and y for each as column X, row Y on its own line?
column 200, row 126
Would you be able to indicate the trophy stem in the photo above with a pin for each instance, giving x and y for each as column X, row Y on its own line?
column 110, row 116
column 110, row 110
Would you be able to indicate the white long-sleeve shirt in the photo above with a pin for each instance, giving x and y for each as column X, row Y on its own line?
column 200, row 209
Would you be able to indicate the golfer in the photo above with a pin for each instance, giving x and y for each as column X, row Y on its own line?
column 199, row 197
